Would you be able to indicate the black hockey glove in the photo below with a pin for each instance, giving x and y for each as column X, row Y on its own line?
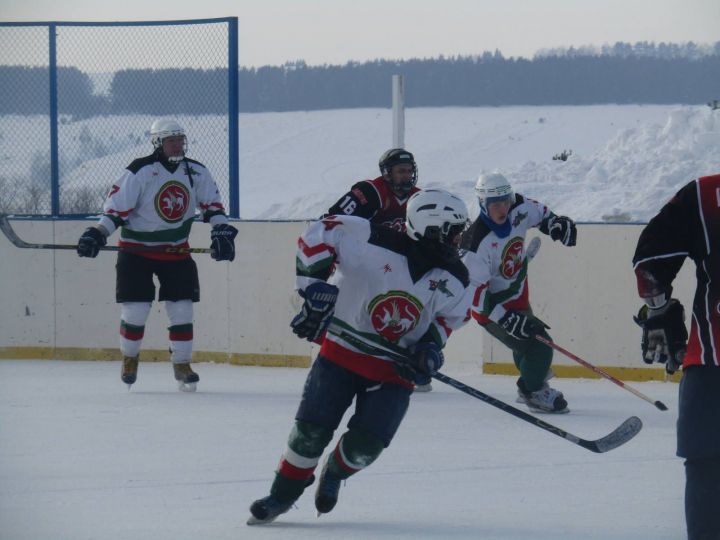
column 664, row 337
column 222, row 242
column 519, row 325
column 90, row 242
column 316, row 312
column 425, row 359
column 562, row 228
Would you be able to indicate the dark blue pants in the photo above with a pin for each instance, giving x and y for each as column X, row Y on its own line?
column 330, row 389
column 698, row 440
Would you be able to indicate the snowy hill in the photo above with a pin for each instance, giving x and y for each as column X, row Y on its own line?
column 627, row 160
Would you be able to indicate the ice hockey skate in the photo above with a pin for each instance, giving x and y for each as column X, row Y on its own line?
column 268, row 508
column 328, row 489
column 187, row 379
column 129, row 370
column 544, row 400
column 423, row 384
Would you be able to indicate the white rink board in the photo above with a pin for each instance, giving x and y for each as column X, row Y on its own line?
column 56, row 299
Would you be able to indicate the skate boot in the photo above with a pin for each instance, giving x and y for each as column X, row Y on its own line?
column 328, row 489
column 423, row 383
column 521, row 396
column 544, row 400
column 187, row 379
column 268, row 508
column 265, row 510
column 129, row 370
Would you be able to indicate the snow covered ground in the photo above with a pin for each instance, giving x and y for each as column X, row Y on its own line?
column 626, row 162
column 83, row 458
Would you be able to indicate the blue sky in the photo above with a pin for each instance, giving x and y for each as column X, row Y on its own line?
column 327, row 31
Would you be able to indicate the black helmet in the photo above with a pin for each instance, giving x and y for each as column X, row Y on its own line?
column 393, row 157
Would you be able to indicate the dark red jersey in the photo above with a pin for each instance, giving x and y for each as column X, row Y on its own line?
column 687, row 226
column 374, row 201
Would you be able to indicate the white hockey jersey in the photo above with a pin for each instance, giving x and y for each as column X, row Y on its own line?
column 498, row 266
column 155, row 206
column 391, row 295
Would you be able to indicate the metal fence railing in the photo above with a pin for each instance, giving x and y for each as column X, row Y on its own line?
column 77, row 100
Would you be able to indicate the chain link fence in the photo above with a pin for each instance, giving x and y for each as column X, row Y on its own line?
column 77, row 101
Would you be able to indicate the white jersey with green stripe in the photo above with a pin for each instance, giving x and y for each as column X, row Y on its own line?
column 498, row 265
column 155, row 202
column 391, row 293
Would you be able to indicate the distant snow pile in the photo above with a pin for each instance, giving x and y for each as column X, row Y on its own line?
column 631, row 176
column 625, row 180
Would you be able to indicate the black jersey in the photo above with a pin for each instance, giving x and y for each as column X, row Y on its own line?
column 374, row 201
column 687, row 226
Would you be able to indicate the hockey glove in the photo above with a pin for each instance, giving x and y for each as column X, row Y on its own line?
column 664, row 337
column 90, row 242
column 222, row 242
column 562, row 228
column 519, row 325
column 316, row 312
column 425, row 359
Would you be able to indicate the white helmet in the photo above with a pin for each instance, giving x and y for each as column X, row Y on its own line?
column 163, row 128
column 493, row 187
column 436, row 217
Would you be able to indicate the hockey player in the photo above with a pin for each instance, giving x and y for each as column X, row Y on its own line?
column 498, row 268
column 688, row 226
column 383, row 201
column 153, row 202
column 392, row 294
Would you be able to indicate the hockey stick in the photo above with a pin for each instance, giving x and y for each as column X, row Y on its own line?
column 18, row 242
column 659, row 404
column 619, row 436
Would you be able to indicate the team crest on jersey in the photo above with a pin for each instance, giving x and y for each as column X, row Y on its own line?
column 397, row 224
column 394, row 314
column 518, row 218
column 171, row 201
column 511, row 261
column 440, row 285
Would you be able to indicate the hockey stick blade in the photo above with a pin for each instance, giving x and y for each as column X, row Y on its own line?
column 659, row 404
column 622, row 434
column 9, row 232
column 619, row 436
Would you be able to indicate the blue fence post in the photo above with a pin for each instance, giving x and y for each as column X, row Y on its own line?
column 54, row 163
column 233, row 119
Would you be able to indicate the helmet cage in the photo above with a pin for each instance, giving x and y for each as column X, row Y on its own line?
column 161, row 130
column 397, row 156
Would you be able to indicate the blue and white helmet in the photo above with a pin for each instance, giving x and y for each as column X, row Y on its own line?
column 493, row 187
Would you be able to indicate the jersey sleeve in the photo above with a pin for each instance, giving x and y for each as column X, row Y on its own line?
column 450, row 318
column 209, row 201
column 664, row 244
column 484, row 306
column 324, row 243
column 362, row 201
column 121, row 201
